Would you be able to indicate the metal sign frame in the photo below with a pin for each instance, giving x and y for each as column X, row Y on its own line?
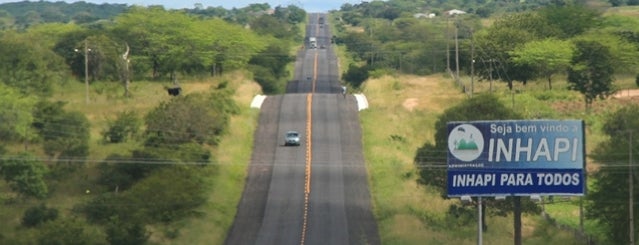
column 516, row 158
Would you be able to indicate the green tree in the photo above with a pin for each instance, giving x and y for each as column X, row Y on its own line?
column 291, row 14
column 358, row 44
column 269, row 67
column 103, row 207
column 64, row 134
column 15, row 114
column 163, row 38
column 6, row 20
column 572, row 20
column 169, row 194
column 269, row 83
column 607, row 197
column 431, row 157
column 66, row 232
column 620, row 34
column 232, row 46
column 25, row 175
column 171, row 42
column 504, row 36
column 37, row 215
column 548, row 56
column 119, row 173
column 355, row 75
column 28, row 65
column 591, row 71
column 28, row 19
column 185, row 119
column 125, row 126
column 104, row 56
column 270, row 25
column 126, row 233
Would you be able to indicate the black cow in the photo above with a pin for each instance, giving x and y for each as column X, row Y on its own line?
column 174, row 91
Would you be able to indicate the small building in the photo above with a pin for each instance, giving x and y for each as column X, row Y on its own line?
column 424, row 15
column 454, row 12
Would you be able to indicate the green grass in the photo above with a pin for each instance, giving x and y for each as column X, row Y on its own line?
column 630, row 11
column 409, row 213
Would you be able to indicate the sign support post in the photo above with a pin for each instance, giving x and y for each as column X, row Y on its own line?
column 515, row 158
column 480, row 226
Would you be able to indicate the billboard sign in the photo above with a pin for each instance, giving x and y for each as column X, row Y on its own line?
column 516, row 158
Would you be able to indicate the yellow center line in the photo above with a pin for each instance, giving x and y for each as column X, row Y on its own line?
column 309, row 157
column 309, row 135
column 309, row 152
column 314, row 72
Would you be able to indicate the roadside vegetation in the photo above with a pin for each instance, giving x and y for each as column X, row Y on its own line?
column 119, row 132
column 120, row 164
column 520, row 59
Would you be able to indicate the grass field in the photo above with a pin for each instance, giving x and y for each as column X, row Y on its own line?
column 409, row 213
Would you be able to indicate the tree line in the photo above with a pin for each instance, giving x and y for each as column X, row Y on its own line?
column 163, row 179
column 554, row 40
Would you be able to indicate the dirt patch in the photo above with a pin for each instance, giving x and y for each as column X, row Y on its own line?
column 197, row 86
column 626, row 93
column 413, row 93
column 410, row 103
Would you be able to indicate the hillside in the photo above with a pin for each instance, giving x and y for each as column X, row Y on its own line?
column 24, row 14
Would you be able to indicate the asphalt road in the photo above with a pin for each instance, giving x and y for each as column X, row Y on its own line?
column 315, row 193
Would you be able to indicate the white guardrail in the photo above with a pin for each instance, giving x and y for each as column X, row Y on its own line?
column 362, row 102
column 257, row 101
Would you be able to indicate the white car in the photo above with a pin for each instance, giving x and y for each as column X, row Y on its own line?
column 292, row 138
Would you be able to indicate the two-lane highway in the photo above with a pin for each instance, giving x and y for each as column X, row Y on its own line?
column 316, row 193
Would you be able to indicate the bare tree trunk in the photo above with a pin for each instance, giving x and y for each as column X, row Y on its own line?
column 126, row 61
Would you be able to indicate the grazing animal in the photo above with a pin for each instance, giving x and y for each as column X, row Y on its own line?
column 173, row 91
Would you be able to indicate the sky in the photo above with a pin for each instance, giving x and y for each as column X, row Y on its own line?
column 308, row 5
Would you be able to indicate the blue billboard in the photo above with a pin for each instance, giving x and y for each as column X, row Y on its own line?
column 516, row 158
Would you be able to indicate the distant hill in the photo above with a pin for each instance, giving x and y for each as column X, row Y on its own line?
column 19, row 15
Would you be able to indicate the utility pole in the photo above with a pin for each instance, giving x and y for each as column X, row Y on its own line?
column 472, row 63
column 480, row 225
column 447, row 46
column 86, row 70
column 457, row 51
column 631, row 217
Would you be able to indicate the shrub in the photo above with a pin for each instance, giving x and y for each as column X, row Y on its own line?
column 38, row 215
column 194, row 118
column 67, row 232
column 126, row 233
column 126, row 126
column 355, row 75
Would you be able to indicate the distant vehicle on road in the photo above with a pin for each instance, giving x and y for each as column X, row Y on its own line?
column 312, row 42
column 292, row 138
